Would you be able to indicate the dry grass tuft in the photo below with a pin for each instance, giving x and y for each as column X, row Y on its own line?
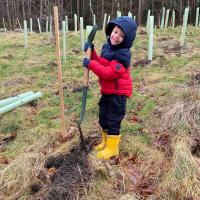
column 25, row 170
column 181, row 181
column 133, row 145
column 143, row 170
column 182, row 115
column 131, row 196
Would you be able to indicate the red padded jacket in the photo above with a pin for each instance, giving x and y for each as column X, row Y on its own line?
column 114, row 78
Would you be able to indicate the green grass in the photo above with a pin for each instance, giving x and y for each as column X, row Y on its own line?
column 11, row 127
column 130, row 128
column 147, row 109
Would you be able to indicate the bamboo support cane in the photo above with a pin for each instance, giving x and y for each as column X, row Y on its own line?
column 58, row 54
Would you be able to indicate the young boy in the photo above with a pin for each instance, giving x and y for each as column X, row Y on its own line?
column 113, row 69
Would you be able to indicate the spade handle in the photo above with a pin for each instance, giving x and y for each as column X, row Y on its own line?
column 86, row 70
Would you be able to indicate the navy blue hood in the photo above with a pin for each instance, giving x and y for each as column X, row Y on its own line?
column 129, row 28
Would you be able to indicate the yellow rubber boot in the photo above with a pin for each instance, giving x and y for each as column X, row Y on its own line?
column 103, row 142
column 111, row 149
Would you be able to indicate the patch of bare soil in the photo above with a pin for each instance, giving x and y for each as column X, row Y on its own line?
column 52, row 64
column 76, row 51
column 138, row 182
column 8, row 139
column 7, row 57
column 141, row 62
column 162, row 142
column 170, row 45
column 70, row 174
column 13, row 81
column 74, row 87
column 71, row 87
column 164, row 38
column 142, row 32
column 4, row 160
column 173, row 49
column 195, row 147
column 73, row 174
column 18, row 45
column 197, row 76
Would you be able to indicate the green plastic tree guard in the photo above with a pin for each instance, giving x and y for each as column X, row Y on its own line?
column 197, row 17
column 10, row 100
column 184, row 29
column 147, row 24
column 82, row 33
column 66, row 23
column 75, row 25
column 119, row 14
column 166, row 18
column 25, row 34
column 64, row 40
column 94, row 20
column 47, row 25
column 108, row 19
column 88, row 30
column 20, row 102
column 104, row 21
column 150, row 47
column 31, row 25
column 173, row 19
column 130, row 15
column 163, row 18
column 39, row 26
column 50, row 27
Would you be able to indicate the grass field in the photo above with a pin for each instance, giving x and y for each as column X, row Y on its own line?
column 159, row 152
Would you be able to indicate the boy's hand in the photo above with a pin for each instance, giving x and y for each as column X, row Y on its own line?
column 86, row 62
column 88, row 45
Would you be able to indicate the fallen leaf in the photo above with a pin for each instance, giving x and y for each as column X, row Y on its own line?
column 4, row 160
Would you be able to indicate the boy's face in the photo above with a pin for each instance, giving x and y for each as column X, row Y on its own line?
column 117, row 36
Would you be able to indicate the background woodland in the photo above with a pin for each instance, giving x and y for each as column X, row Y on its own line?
column 11, row 10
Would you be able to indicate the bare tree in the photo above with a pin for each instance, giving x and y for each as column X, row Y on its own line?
column 181, row 11
column 8, row 14
column 130, row 5
column 91, row 9
column 23, row 9
column 113, row 4
column 140, row 12
column 41, row 8
column 10, row 10
column 102, row 10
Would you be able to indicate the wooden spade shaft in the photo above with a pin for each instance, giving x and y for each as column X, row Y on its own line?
column 85, row 86
column 86, row 71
